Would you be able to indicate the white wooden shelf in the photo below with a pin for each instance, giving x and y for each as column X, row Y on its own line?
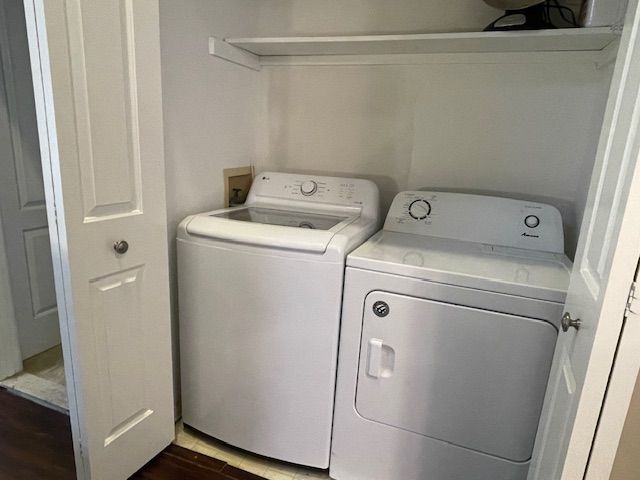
column 252, row 52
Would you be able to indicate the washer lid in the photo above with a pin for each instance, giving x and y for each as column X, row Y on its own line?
column 514, row 271
column 285, row 218
column 284, row 229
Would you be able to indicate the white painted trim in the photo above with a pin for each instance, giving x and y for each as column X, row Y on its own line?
column 563, row 58
column 609, row 55
column 570, row 39
column 595, row 45
column 616, row 405
column 221, row 49
column 623, row 133
column 10, row 354
column 43, row 95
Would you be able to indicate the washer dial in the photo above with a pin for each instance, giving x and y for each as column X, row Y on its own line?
column 308, row 188
column 420, row 209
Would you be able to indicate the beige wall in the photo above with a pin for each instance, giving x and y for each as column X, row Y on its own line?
column 527, row 131
column 210, row 110
column 627, row 463
column 368, row 17
column 337, row 17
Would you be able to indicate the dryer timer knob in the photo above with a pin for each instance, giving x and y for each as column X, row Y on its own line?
column 532, row 221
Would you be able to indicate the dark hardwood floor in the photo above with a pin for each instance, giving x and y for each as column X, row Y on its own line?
column 35, row 443
column 179, row 463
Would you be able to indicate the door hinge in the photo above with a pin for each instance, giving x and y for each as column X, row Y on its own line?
column 632, row 301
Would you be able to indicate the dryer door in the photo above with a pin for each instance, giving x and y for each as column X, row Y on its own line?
column 470, row 377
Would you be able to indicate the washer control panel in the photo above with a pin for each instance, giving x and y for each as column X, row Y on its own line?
column 312, row 189
column 303, row 187
column 478, row 218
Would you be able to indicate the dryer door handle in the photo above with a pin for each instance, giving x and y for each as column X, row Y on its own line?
column 374, row 365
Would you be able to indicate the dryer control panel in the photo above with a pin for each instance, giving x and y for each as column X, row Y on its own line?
column 477, row 218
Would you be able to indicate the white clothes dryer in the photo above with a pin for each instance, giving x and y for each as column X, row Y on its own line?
column 449, row 325
column 260, row 293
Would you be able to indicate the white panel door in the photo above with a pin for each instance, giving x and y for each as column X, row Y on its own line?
column 22, row 204
column 603, row 272
column 96, row 68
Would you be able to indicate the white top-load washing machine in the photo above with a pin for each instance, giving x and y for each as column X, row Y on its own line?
column 449, row 325
column 260, row 294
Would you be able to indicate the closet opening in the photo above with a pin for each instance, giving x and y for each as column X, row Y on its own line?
column 31, row 363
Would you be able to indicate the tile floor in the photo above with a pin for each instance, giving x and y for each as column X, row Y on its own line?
column 270, row 469
column 42, row 380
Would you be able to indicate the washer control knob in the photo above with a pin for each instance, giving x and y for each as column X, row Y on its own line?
column 419, row 209
column 308, row 188
column 531, row 221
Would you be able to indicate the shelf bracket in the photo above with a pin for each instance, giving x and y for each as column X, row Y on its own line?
column 608, row 55
column 221, row 49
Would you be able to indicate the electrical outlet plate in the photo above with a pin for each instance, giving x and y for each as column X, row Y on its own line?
column 237, row 178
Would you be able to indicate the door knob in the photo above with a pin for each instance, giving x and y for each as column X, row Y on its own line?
column 568, row 322
column 121, row 247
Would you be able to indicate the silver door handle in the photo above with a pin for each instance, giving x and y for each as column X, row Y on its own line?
column 568, row 322
column 121, row 247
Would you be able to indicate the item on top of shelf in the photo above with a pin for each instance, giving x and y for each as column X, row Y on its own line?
column 528, row 14
column 599, row 13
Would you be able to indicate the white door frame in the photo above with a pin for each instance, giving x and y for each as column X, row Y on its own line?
column 620, row 390
column 26, row 242
column 10, row 354
column 53, row 190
